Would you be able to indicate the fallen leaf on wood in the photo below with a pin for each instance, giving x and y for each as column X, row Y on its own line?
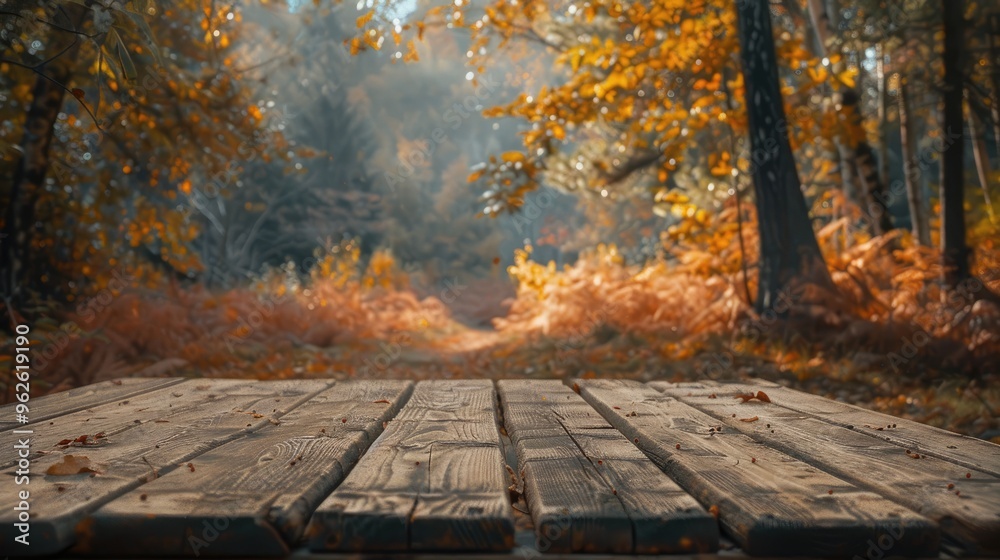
column 751, row 419
column 65, row 442
column 72, row 464
column 761, row 396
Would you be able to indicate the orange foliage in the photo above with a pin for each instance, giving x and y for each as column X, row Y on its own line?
column 887, row 294
column 276, row 328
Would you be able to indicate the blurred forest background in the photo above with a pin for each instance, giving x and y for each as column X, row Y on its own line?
column 500, row 188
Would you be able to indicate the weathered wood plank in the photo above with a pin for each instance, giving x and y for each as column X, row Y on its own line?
column 969, row 452
column 588, row 488
column 112, row 420
column 59, row 503
column 82, row 398
column 434, row 480
column 252, row 496
column 770, row 502
column 969, row 512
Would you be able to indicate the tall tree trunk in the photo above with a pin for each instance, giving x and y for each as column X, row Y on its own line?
column 954, row 249
column 788, row 248
column 883, row 116
column 982, row 159
column 914, row 189
column 860, row 154
column 31, row 168
column 995, row 75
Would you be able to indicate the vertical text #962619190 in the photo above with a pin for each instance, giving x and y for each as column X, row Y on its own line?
column 22, row 476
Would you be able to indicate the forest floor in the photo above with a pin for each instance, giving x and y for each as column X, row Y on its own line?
column 927, row 358
column 456, row 350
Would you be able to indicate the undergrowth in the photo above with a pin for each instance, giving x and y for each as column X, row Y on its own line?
column 889, row 337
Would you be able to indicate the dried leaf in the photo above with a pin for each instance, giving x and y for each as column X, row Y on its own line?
column 72, row 464
column 761, row 396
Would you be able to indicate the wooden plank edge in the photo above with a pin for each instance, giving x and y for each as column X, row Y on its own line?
column 889, row 437
column 7, row 410
column 775, row 537
column 56, row 534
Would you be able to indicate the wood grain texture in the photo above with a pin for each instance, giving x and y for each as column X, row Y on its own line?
column 82, row 398
column 138, row 455
column 115, row 419
column 434, row 480
column 969, row 452
column 768, row 501
column 588, row 488
column 969, row 513
column 255, row 493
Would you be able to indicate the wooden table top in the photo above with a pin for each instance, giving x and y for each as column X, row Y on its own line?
column 512, row 468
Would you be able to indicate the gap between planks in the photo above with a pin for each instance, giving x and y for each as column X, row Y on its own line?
column 771, row 503
column 143, row 452
column 252, row 496
column 589, row 489
column 963, row 501
column 434, row 480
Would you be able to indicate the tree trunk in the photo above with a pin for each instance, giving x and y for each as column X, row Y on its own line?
column 31, row 168
column 995, row 93
column 914, row 190
column 860, row 155
column 982, row 159
column 788, row 248
column 883, row 117
column 954, row 249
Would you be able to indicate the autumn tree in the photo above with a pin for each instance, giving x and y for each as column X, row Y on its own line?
column 788, row 246
column 647, row 87
column 51, row 77
column 134, row 109
column 856, row 152
column 327, row 191
column 952, row 186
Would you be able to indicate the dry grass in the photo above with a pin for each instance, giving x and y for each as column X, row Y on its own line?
column 890, row 337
